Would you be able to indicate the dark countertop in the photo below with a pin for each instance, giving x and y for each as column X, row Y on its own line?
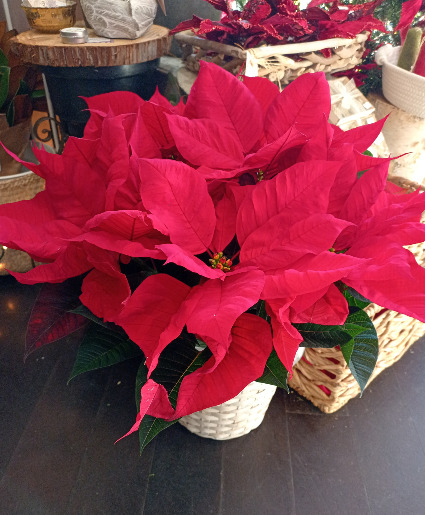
column 57, row 452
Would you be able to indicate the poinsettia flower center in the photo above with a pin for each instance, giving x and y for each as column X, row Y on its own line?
column 260, row 175
column 221, row 262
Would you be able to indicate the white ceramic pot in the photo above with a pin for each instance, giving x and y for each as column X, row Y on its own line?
column 123, row 19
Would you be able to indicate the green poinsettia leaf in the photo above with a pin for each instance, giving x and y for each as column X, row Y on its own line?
column 275, row 373
column 179, row 359
column 101, row 348
column 4, row 84
column 365, row 153
column 149, row 426
column 261, row 311
column 327, row 336
column 361, row 353
column 347, row 350
column 355, row 299
column 85, row 312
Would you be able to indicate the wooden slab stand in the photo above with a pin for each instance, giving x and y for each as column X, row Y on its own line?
column 48, row 50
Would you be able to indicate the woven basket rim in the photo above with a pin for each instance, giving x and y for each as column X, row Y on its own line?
column 15, row 175
column 308, row 46
column 402, row 181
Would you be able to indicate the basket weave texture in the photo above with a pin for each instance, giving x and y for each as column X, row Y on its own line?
column 13, row 188
column 323, row 377
column 273, row 62
column 234, row 418
column 402, row 88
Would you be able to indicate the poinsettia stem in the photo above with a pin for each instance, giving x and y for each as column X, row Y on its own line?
column 145, row 267
column 154, row 266
column 235, row 255
column 261, row 310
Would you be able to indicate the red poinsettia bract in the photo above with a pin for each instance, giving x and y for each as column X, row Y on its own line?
column 243, row 197
column 281, row 21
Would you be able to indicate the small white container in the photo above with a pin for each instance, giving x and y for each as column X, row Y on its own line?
column 402, row 88
column 74, row 35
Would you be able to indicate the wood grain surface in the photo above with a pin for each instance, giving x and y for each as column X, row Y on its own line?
column 48, row 50
column 57, row 452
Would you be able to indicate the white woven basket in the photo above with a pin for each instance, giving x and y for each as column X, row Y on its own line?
column 402, row 88
column 234, row 418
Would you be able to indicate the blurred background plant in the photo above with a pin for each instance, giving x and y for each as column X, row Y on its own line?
column 21, row 91
column 368, row 75
column 18, row 82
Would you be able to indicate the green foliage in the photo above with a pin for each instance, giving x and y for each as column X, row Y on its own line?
column 4, row 85
column 101, row 348
column 85, row 312
column 17, row 83
column 355, row 299
column 275, row 373
column 3, row 59
column 178, row 359
column 327, row 336
column 389, row 13
column 149, row 426
column 357, row 338
column 361, row 353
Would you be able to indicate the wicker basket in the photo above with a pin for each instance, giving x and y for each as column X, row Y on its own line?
column 22, row 186
column 323, row 377
column 234, row 418
column 273, row 62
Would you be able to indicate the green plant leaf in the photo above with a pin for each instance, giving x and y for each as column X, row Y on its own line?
column 275, row 373
column 179, row 359
column 23, row 88
column 365, row 153
column 347, row 350
column 4, row 85
column 327, row 336
column 38, row 93
column 3, row 59
column 261, row 311
column 355, row 299
column 361, row 353
column 85, row 312
column 101, row 348
column 149, row 426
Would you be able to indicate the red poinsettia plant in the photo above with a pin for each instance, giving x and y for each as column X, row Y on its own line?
column 274, row 22
column 211, row 239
